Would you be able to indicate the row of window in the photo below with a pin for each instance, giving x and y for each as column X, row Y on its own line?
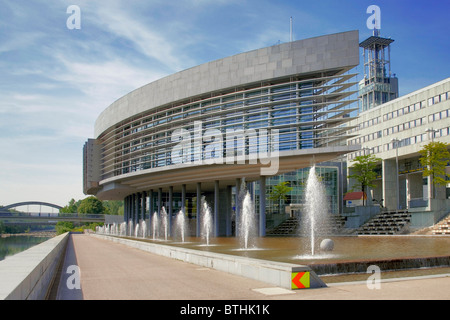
column 368, row 137
column 386, row 132
column 439, row 115
column 439, row 98
column 402, row 111
column 297, row 109
column 402, row 143
column 288, row 139
column 283, row 118
column 224, row 105
column 403, row 126
column 368, row 123
column 397, row 113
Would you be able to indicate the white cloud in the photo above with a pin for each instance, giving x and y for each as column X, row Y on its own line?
column 147, row 34
column 22, row 42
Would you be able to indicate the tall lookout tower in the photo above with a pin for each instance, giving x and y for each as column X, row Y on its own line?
column 378, row 85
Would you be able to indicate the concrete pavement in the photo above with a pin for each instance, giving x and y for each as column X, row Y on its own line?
column 114, row 271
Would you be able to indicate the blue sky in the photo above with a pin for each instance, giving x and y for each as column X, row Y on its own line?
column 54, row 81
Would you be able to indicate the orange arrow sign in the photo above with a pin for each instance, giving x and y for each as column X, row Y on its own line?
column 300, row 280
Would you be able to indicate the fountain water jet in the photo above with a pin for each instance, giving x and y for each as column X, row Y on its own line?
column 143, row 228
column 136, row 230
column 123, row 229
column 113, row 229
column 130, row 227
column 164, row 217
column 206, row 221
column 155, row 225
column 181, row 225
column 316, row 207
column 247, row 222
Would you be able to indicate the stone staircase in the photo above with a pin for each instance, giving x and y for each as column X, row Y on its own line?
column 291, row 227
column 287, row 228
column 386, row 223
column 443, row 227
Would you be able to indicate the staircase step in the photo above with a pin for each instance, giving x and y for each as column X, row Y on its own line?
column 385, row 223
column 291, row 226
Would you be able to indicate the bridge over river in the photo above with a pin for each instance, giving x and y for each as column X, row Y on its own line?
column 42, row 217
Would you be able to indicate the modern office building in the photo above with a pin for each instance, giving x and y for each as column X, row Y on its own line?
column 395, row 132
column 198, row 132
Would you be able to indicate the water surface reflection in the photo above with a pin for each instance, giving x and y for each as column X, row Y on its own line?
column 346, row 249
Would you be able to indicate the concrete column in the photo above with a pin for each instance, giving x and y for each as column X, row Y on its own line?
column 139, row 207
column 389, row 173
column 150, row 210
column 403, row 192
column 136, row 209
column 159, row 201
column 183, row 198
column 228, row 226
column 429, row 192
column 133, row 208
column 262, row 206
column 125, row 209
column 216, row 208
column 131, row 220
column 408, row 190
column 250, row 189
column 199, row 207
column 144, row 207
column 143, row 204
column 170, row 210
column 237, row 205
column 151, row 198
column 130, row 213
column 129, row 208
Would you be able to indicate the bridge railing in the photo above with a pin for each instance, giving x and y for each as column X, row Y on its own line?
column 51, row 215
column 82, row 215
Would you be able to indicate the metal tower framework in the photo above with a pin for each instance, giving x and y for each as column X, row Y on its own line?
column 378, row 85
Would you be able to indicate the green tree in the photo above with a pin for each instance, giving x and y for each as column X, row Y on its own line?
column 72, row 207
column 364, row 172
column 91, row 205
column 114, row 207
column 434, row 157
column 279, row 193
column 63, row 227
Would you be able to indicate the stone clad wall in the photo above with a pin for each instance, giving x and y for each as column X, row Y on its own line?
column 29, row 274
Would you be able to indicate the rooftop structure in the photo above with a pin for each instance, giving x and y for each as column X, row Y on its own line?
column 378, row 85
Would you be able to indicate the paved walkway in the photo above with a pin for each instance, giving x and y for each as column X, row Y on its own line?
column 114, row 271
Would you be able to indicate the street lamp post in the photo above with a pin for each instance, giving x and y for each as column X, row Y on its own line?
column 366, row 188
column 396, row 140
column 433, row 132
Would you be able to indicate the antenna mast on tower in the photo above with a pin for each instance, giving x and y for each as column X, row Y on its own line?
column 291, row 31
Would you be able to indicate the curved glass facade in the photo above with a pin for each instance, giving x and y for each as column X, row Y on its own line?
column 307, row 112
